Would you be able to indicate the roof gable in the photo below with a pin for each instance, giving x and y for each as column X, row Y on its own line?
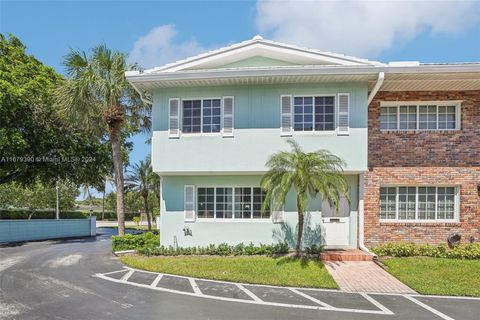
column 261, row 53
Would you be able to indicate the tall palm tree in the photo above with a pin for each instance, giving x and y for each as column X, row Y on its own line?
column 309, row 174
column 138, row 180
column 97, row 96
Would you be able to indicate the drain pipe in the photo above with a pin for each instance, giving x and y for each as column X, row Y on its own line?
column 378, row 84
column 361, row 224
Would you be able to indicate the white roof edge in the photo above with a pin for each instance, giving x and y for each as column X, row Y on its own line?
column 308, row 70
column 259, row 39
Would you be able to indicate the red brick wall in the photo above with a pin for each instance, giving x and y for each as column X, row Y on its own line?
column 426, row 148
column 424, row 158
column 422, row 232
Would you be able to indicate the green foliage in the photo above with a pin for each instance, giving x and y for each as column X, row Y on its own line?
column 37, row 196
column 314, row 249
column 21, row 214
column 36, row 143
column 136, row 220
column 135, row 241
column 309, row 174
column 222, row 249
column 466, row 251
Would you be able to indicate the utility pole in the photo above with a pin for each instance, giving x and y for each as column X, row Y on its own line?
column 58, row 203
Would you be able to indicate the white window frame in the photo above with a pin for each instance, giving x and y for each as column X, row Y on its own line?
column 233, row 219
column 201, row 133
column 315, row 132
column 456, row 213
column 397, row 104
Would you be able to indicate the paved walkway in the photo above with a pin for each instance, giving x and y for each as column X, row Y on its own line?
column 364, row 276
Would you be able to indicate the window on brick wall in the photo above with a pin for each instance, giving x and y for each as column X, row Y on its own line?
column 422, row 203
column 420, row 116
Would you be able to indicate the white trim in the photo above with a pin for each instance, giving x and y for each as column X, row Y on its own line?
column 201, row 133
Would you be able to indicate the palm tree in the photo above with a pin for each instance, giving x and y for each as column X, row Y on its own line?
column 138, row 180
column 97, row 96
column 308, row 174
column 87, row 194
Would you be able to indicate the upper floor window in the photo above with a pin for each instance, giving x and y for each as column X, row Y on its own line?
column 426, row 203
column 201, row 116
column 420, row 116
column 314, row 113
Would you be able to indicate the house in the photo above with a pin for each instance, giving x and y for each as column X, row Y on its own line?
column 409, row 133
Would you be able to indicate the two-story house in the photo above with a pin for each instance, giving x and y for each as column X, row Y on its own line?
column 409, row 134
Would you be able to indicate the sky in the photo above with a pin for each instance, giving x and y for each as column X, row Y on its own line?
column 157, row 32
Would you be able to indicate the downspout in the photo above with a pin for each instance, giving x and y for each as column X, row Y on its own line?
column 378, row 84
column 361, row 223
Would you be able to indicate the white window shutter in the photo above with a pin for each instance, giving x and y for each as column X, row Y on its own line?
column 228, row 107
column 277, row 216
column 286, row 115
column 174, row 118
column 343, row 123
column 189, row 203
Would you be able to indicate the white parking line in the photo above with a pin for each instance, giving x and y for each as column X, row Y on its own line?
column 257, row 301
column 157, row 280
column 113, row 272
column 127, row 276
column 310, row 298
column 427, row 307
column 249, row 293
column 195, row 288
column 375, row 303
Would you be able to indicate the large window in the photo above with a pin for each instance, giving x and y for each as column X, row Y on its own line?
column 201, row 116
column 418, row 203
column 314, row 113
column 240, row 203
column 428, row 116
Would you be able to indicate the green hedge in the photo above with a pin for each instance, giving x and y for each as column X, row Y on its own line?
column 466, row 251
column 222, row 249
column 135, row 241
column 10, row 214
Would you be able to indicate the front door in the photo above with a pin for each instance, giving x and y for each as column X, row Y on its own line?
column 336, row 225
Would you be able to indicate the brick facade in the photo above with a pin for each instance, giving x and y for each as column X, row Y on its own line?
column 424, row 158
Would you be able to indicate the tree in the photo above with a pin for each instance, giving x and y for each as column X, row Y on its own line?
column 37, row 196
column 36, row 143
column 139, row 180
column 309, row 174
column 98, row 95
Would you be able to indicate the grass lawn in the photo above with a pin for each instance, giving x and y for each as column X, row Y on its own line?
column 437, row 275
column 282, row 271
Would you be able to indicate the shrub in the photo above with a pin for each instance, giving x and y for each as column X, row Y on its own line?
column 314, row 249
column 11, row 214
column 136, row 220
column 466, row 251
column 222, row 249
column 135, row 241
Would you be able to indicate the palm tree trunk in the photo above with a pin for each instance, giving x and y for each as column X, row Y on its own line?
column 300, row 227
column 118, row 168
column 149, row 218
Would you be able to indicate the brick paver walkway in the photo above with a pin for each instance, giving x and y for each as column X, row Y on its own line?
column 364, row 276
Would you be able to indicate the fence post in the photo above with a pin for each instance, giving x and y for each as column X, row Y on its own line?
column 93, row 225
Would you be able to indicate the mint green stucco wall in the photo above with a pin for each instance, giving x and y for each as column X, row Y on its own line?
column 256, row 119
column 234, row 232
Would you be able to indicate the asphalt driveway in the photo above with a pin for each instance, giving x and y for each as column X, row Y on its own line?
column 81, row 279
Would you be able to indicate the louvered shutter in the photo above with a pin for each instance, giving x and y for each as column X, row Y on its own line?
column 189, row 203
column 343, row 124
column 228, row 106
column 277, row 216
column 174, row 118
column 286, row 115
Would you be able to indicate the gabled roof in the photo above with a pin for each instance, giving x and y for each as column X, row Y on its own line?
column 259, row 47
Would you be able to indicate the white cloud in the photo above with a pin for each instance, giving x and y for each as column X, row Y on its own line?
column 159, row 47
column 363, row 28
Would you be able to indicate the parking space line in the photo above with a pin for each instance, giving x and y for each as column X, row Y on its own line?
column 376, row 303
column 127, row 276
column 113, row 272
column 306, row 296
column 249, row 293
column 427, row 307
column 156, row 281
column 195, row 288
column 444, row 297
